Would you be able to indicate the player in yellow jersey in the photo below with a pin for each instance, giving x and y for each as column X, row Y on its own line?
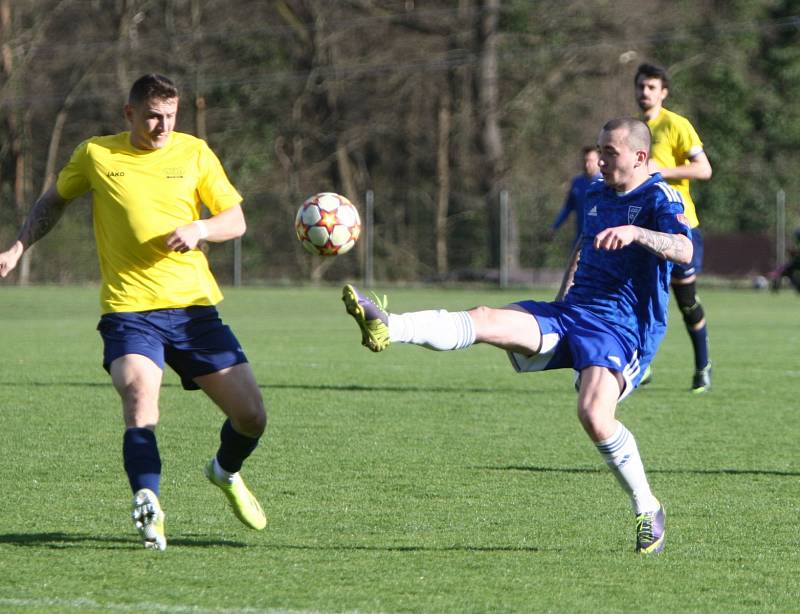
column 148, row 186
column 677, row 153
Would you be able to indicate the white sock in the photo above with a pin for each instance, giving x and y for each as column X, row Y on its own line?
column 222, row 475
column 434, row 329
column 622, row 457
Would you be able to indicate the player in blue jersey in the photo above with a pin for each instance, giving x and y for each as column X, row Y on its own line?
column 606, row 322
column 576, row 196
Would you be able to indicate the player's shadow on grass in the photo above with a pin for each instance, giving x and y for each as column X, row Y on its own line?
column 454, row 548
column 399, row 388
column 536, row 469
column 63, row 384
column 322, row 387
column 23, row 384
column 59, row 541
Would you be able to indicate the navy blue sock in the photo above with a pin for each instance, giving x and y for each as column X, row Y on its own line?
column 141, row 459
column 234, row 448
column 700, row 344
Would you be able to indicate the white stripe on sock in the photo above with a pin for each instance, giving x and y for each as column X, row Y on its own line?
column 621, row 454
column 434, row 329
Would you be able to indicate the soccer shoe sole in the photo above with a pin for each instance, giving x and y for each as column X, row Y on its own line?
column 354, row 308
column 240, row 499
column 148, row 518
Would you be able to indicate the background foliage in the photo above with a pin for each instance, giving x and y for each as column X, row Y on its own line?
column 402, row 98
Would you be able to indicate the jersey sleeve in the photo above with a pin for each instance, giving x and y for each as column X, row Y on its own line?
column 73, row 180
column 566, row 209
column 669, row 212
column 215, row 189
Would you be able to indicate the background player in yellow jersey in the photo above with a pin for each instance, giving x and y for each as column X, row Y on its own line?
column 148, row 185
column 677, row 153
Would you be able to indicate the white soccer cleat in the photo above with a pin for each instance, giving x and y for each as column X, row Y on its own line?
column 148, row 517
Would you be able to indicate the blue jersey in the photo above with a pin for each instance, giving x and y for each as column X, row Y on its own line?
column 575, row 202
column 629, row 287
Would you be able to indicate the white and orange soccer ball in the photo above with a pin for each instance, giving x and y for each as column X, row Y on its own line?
column 327, row 224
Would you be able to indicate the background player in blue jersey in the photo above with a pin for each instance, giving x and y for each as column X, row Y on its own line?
column 609, row 316
column 576, row 196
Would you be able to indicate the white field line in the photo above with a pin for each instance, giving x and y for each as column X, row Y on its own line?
column 82, row 604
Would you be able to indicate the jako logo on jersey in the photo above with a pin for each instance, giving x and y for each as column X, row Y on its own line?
column 115, row 174
column 173, row 173
column 632, row 213
column 593, row 211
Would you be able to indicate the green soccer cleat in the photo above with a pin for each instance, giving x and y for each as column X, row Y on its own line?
column 243, row 502
column 701, row 381
column 651, row 531
column 371, row 317
column 148, row 517
column 647, row 377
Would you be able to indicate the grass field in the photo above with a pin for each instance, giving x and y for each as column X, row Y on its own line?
column 409, row 481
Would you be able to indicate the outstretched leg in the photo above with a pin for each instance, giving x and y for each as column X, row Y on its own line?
column 511, row 328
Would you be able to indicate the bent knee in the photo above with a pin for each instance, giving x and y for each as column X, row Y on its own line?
column 252, row 423
column 597, row 403
column 599, row 425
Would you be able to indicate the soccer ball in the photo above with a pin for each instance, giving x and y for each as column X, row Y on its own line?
column 327, row 224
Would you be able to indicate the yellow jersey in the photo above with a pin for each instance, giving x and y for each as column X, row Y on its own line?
column 675, row 141
column 139, row 197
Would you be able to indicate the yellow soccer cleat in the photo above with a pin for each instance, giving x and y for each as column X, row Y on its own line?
column 244, row 504
column 371, row 317
column 148, row 517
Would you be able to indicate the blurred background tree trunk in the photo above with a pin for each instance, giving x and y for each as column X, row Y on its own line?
column 493, row 169
column 436, row 107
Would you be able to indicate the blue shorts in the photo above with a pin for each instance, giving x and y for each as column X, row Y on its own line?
column 694, row 267
column 193, row 340
column 575, row 338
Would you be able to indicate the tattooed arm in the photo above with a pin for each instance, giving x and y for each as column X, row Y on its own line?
column 44, row 214
column 674, row 247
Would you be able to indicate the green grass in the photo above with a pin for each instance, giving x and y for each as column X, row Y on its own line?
column 409, row 481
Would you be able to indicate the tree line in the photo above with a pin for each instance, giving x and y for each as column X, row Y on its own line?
column 437, row 107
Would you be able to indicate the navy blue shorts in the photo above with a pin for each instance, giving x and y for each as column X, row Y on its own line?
column 694, row 267
column 193, row 340
column 575, row 338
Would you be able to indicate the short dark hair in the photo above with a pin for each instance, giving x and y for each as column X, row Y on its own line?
column 638, row 132
column 652, row 71
column 152, row 86
column 588, row 149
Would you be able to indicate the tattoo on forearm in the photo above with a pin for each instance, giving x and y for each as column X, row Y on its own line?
column 667, row 246
column 41, row 219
